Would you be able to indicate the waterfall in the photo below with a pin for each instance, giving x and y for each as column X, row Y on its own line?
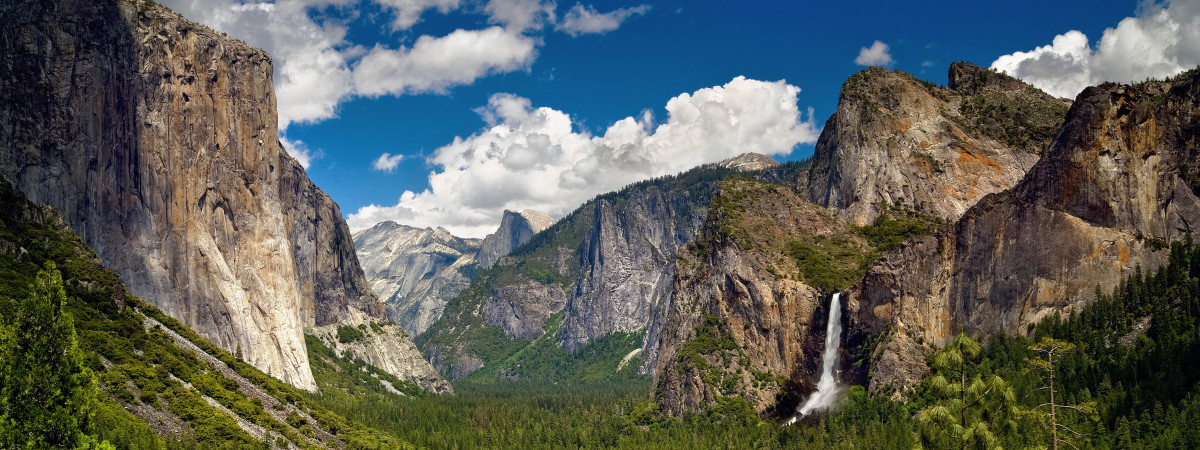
column 827, row 388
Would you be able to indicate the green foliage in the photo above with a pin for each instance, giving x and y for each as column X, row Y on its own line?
column 47, row 394
column 969, row 410
column 1131, row 371
column 829, row 264
column 347, row 334
column 545, row 361
column 1023, row 120
column 134, row 364
column 894, row 226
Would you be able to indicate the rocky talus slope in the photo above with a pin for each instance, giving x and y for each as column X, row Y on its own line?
column 156, row 138
column 1118, row 183
column 895, row 139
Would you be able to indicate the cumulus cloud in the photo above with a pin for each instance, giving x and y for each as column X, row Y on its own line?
column 877, row 55
column 434, row 64
column 535, row 157
column 581, row 19
column 408, row 12
column 1162, row 39
column 317, row 68
column 520, row 15
column 387, row 162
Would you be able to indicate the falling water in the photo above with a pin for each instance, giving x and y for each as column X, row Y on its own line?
column 827, row 388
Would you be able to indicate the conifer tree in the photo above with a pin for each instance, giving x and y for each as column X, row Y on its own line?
column 970, row 409
column 47, row 395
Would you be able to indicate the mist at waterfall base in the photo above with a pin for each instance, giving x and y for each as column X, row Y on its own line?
column 827, row 387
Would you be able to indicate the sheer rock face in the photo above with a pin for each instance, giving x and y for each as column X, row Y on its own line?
column 897, row 140
column 157, row 140
column 1120, row 175
column 747, row 284
column 516, row 228
column 415, row 270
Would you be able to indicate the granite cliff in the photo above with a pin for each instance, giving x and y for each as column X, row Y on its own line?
column 898, row 158
column 516, row 228
column 156, row 138
column 1118, row 183
column 414, row 270
column 895, row 139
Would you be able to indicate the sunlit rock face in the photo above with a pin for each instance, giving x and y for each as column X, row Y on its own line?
column 1119, row 180
column 415, row 270
column 156, row 137
column 516, row 228
column 897, row 140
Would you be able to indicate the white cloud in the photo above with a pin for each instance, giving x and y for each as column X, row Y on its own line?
column 408, row 12
column 520, row 15
column 534, row 158
column 877, row 55
column 317, row 68
column 582, row 19
column 387, row 162
column 299, row 151
column 434, row 64
column 1161, row 40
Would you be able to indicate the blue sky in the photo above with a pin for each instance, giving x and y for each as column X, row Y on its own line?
column 435, row 84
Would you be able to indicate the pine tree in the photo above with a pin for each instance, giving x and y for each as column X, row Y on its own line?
column 970, row 410
column 1054, row 350
column 47, row 395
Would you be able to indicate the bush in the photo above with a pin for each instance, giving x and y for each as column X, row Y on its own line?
column 347, row 334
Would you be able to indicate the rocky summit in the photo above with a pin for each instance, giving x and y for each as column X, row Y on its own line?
column 1114, row 187
column 898, row 140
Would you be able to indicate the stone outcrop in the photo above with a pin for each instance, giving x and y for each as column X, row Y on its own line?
column 156, row 138
column 738, row 284
column 1117, row 183
column 388, row 347
column 896, row 140
column 516, row 228
column 415, row 270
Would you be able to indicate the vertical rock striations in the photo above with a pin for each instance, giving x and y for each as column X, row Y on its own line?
column 740, row 322
column 157, row 139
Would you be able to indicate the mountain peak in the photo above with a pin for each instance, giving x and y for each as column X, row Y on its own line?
column 749, row 161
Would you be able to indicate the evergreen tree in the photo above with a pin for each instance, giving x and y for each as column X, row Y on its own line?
column 47, row 395
column 1054, row 350
column 969, row 410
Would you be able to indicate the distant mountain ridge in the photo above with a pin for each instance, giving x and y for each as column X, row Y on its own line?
column 415, row 271
column 603, row 270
